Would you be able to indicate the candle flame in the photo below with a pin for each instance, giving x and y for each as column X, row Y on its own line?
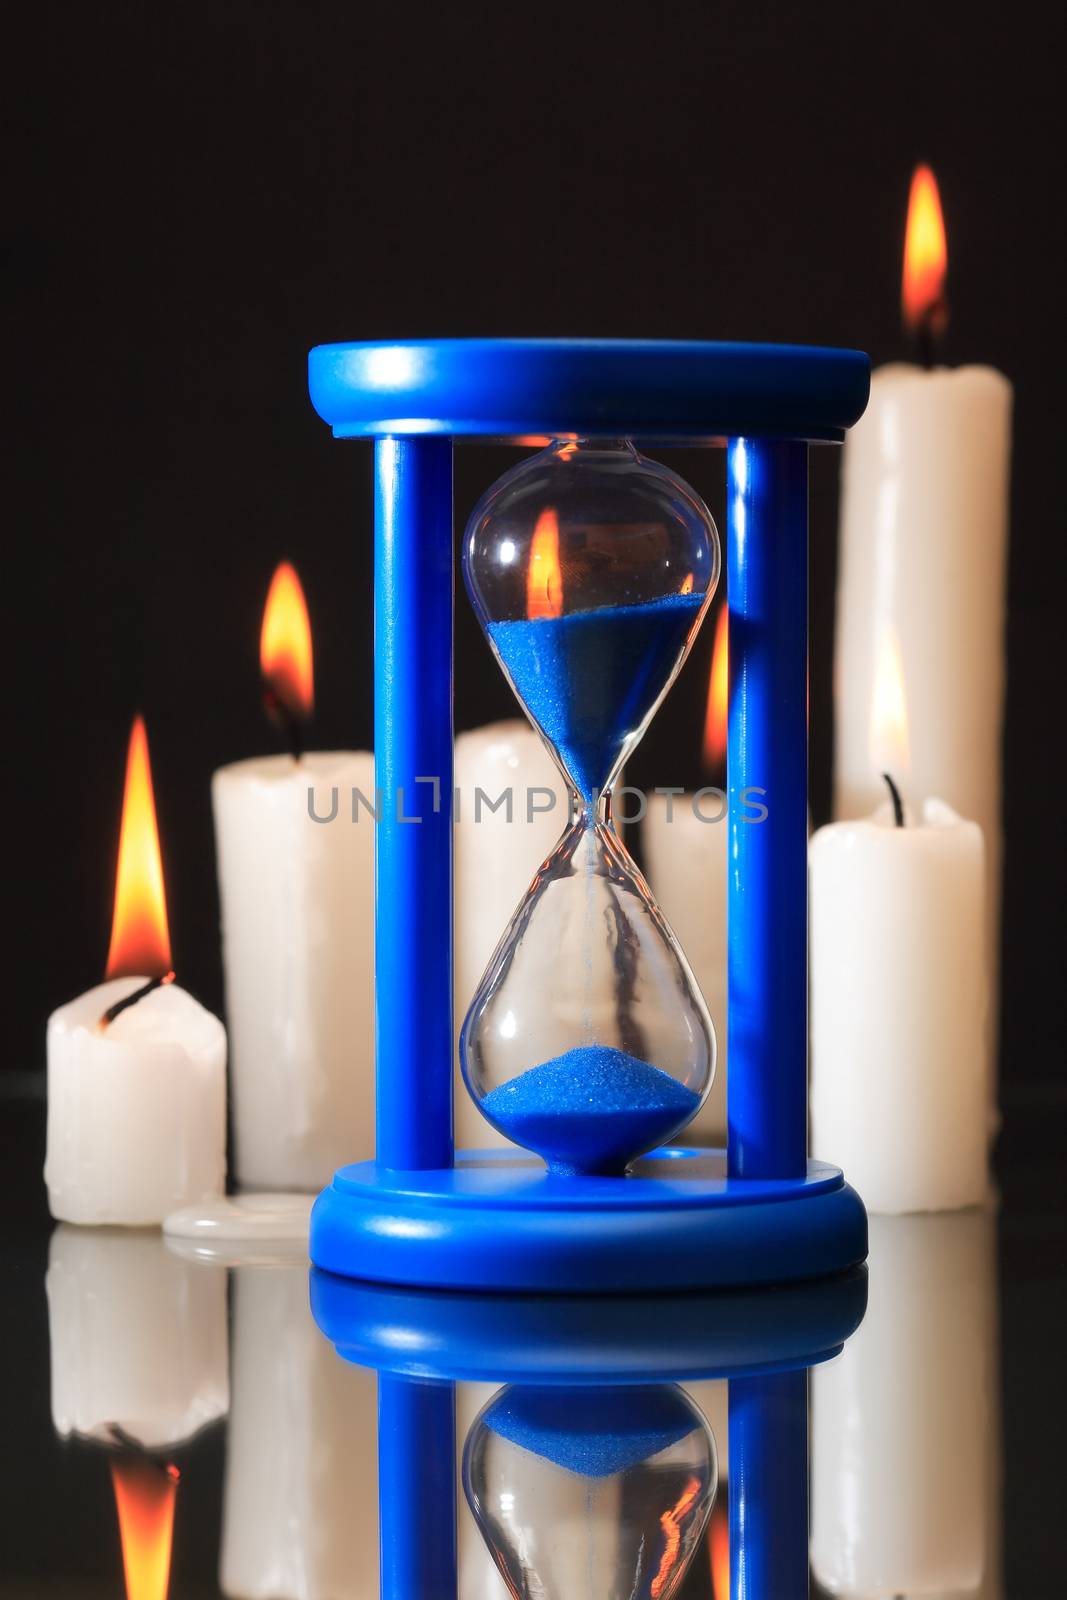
column 140, row 938
column 285, row 643
column 720, row 1550
column 925, row 256
column 671, row 1523
column 544, row 580
column 145, row 1492
column 687, row 584
column 888, row 742
column 717, row 715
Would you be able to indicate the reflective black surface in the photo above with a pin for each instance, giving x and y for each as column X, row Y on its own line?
column 935, row 1438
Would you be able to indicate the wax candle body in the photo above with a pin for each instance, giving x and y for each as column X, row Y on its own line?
column 300, row 1511
column 497, row 853
column 924, row 530
column 297, row 899
column 685, row 854
column 903, row 1438
column 898, row 995
column 138, row 1337
column 137, row 1111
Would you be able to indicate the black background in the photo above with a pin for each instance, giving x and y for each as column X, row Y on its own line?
column 199, row 193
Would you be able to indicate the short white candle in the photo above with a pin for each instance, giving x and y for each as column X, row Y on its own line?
column 903, row 1429
column 923, row 576
column 898, row 995
column 498, row 849
column 295, row 842
column 297, row 898
column 137, row 1103
column 138, row 1338
column 300, row 1506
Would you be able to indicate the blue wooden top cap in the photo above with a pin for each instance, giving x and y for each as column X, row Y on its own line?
column 534, row 389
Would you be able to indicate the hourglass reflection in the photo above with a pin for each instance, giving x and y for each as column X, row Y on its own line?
column 593, row 1491
column 590, row 569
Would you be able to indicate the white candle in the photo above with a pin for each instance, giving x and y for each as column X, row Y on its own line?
column 924, row 533
column 903, row 1435
column 297, row 899
column 498, row 849
column 136, row 1113
column 300, row 1506
column 898, row 1008
column 136, row 1094
column 685, row 854
column 138, row 1338
column 684, row 838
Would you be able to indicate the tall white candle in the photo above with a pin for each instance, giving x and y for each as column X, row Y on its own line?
column 300, row 1511
column 924, row 534
column 297, row 899
column 498, row 849
column 684, row 838
column 685, row 854
column 903, row 1435
column 136, row 1093
column 138, row 1338
column 295, row 843
column 898, row 996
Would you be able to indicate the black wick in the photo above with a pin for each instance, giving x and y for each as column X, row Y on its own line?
column 131, row 999
column 928, row 330
column 286, row 719
column 898, row 804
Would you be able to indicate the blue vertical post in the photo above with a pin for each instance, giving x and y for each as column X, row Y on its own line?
column 416, row 1488
column 767, row 554
column 413, row 582
column 768, row 1486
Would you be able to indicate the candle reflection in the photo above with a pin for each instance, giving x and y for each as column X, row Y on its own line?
column 300, row 1505
column 905, row 1458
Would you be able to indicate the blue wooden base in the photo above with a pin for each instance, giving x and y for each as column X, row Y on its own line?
column 499, row 1221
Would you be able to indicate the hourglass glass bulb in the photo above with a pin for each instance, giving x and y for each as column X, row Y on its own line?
column 590, row 568
column 588, row 1041
column 603, row 1493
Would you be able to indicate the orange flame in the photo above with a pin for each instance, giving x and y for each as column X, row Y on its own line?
column 889, row 747
column 716, row 717
column 720, row 1550
column 925, row 256
column 140, row 938
column 687, row 584
column 145, row 1493
column 544, row 580
column 671, row 1523
column 285, row 643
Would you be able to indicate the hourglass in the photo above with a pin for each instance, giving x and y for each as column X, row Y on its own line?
column 588, row 1040
column 588, row 1043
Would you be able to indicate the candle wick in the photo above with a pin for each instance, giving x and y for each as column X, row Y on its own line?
column 898, row 804
column 283, row 717
column 928, row 328
column 131, row 999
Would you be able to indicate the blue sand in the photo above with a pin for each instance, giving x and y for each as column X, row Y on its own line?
column 591, row 1110
column 594, row 1432
column 590, row 678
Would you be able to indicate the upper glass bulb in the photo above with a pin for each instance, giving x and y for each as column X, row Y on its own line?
column 622, row 557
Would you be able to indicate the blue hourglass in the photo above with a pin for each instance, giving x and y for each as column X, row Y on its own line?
column 588, row 1041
